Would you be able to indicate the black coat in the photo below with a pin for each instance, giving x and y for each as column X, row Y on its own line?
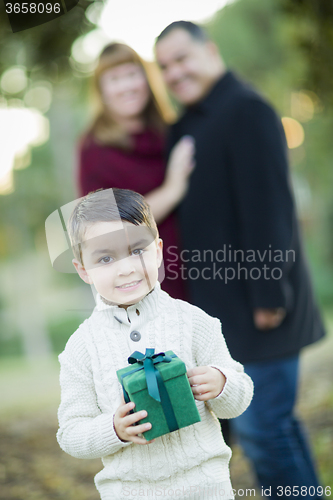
column 240, row 198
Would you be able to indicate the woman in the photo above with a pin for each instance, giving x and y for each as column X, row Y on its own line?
column 124, row 148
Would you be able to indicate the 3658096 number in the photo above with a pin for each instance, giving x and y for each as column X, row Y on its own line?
column 32, row 8
column 303, row 491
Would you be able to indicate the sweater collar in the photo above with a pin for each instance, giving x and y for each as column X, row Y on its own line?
column 144, row 310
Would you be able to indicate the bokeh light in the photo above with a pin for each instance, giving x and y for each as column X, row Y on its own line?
column 20, row 128
column 86, row 49
column 7, row 183
column 94, row 11
column 14, row 80
column 39, row 96
column 294, row 132
column 302, row 106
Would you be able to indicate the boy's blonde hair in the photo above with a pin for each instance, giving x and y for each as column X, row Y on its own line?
column 107, row 206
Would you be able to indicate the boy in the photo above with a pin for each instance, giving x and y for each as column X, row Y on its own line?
column 117, row 249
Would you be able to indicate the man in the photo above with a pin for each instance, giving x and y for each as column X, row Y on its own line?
column 244, row 256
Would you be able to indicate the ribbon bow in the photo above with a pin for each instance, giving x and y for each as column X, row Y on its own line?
column 148, row 360
column 155, row 384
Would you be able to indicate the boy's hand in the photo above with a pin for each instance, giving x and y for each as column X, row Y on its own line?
column 123, row 424
column 206, row 382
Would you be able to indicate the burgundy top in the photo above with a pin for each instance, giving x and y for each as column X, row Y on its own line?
column 140, row 169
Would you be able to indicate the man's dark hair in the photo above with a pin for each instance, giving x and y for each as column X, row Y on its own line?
column 196, row 32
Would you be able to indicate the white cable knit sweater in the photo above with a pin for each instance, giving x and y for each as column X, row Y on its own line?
column 177, row 465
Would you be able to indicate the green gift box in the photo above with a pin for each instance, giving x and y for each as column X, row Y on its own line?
column 158, row 384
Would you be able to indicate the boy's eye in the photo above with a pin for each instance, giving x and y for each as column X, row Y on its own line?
column 105, row 260
column 138, row 251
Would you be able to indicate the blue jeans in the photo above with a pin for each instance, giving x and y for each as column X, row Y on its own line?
column 271, row 436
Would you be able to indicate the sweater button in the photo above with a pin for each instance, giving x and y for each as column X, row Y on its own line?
column 135, row 336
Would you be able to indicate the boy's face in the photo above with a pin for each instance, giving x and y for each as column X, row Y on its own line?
column 121, row 260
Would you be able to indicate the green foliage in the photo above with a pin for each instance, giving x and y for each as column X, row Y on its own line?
column 44, row 49
column 314, row 36
column 61, row 330
column 40, row 189
column 11, row 346
column 255, row 38
column 322, row 274
column 279, row 41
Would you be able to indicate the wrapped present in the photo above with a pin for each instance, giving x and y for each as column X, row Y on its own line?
column 158, row 384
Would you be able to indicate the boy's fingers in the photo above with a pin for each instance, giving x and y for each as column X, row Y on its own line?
column 197, row 380
column 125, row 408
column 200, row 389
column 204, row 397
column 135, row 417
column 198, row 370
column 138, row 429
column 139, row 440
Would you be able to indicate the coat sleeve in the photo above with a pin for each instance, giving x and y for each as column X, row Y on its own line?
column 210, row 349
column 84, row 431
column 264, row 200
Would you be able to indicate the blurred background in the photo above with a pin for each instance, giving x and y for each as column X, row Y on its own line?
column 285, row 48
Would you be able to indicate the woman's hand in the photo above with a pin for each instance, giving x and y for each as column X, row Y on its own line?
column 180, row 165
column 123, row 424
column 164, row 199
column 206, row 382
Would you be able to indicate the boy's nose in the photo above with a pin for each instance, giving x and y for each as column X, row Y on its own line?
column 126, row 266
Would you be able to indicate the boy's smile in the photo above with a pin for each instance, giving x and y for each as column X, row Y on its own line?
column 121, row 260
column 130, row 286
